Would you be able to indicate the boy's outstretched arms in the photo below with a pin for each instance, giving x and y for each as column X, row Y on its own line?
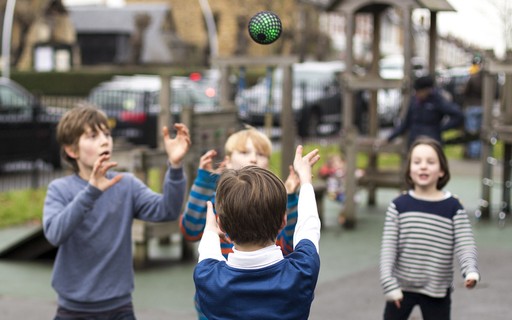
column 193, row 219
column 292, row 182
column 308, row 222
column 302, row 164
column 178, row 146
column 209, row 247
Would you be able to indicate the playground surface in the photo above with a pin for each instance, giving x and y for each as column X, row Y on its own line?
column 348, row 286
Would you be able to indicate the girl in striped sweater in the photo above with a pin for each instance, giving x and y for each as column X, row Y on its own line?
column 425, row 228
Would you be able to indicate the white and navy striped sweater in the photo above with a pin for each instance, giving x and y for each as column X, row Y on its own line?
column 419, row 243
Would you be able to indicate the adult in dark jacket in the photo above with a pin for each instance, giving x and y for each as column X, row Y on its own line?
column 429, row 113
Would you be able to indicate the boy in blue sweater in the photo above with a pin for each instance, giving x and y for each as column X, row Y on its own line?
column 89, row 215
column 256, row 281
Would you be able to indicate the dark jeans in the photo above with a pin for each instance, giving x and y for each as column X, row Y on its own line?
column 431, row 308
column 122, row 313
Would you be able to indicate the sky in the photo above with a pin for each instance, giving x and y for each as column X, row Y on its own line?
column 475, row 21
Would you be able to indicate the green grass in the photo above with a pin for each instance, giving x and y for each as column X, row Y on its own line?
column 21, row 206
column 26, row 206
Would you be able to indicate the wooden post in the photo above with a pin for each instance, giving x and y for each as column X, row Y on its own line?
column 487, row 146
column 165, row 117
column 288, row 132
column 506, row 179
column 349, row 212
column 432, row 53
column 374, row 117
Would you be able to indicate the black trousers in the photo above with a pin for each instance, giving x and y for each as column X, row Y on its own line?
column 431, row 308
column 122, row 313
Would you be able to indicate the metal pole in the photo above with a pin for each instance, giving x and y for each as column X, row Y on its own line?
column 6, row 38
column 210, row 26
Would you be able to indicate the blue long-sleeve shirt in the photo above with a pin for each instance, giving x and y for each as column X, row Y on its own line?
column 429, row 117
column 93, row 269
column 193, row 220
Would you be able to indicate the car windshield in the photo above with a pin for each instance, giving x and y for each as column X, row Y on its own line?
column 118, row 100
column 14, row 102
column 306, row 76
column 114, row 100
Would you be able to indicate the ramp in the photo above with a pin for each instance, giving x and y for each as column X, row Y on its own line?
column 25, row 243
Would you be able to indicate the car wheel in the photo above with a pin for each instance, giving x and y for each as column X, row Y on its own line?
column 308, row 126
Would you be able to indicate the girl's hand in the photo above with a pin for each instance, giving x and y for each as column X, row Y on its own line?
column 470, row 283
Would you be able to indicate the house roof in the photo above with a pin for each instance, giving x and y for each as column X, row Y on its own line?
column 432, row 5
column 436, row 5
column 102, row 19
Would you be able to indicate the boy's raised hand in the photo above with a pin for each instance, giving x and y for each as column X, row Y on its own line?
column 206, row 162
column 177, row 147
column 98, row 177
column 292, row 182
column 302, row 164
column 211, row 220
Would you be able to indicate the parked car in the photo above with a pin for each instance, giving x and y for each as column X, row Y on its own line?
column 324, row 115
column 314, row 89
column 27, row 128
column 132, row 104
column 316, row 100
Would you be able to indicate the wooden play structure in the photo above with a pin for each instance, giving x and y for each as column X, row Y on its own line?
column 352, row 142
column 496, row 126
column 208, row 130
column 227, row 64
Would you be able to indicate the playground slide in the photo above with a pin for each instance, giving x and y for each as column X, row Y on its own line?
column 25, row 243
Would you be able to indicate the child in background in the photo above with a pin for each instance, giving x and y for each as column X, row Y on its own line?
column 89, row 216
column 424, row 230
column 256, row 280
column 243, row 148
column 333, row 171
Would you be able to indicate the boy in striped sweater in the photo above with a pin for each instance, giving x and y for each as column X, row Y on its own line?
column 424, row 230
column 243, row 148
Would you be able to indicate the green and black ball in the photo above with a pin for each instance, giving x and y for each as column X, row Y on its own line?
column 265, row 27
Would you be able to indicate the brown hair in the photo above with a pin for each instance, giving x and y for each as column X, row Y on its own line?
column 251, row 204
column 237, row 142
column 443, row 161
column 74, row 123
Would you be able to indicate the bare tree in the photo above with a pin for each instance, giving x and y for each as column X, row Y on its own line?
column 504, row 11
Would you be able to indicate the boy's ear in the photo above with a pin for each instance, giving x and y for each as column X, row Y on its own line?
column 70, row 151
column 227, row 161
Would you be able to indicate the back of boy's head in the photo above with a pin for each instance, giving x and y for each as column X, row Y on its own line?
column 237, row 142
column 251, row 204
column 443, row 161
column 74, row 123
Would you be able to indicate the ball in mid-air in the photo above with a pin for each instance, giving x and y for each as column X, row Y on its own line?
column 265, row 27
